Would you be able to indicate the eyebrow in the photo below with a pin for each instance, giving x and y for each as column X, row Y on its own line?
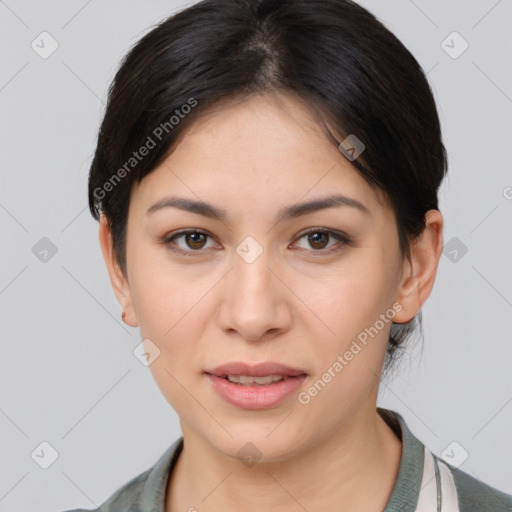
column 286, row 213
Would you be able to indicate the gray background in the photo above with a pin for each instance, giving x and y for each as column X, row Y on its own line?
column 68, row 374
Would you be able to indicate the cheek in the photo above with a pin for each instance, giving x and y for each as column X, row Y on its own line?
column 348, row 356
column 169, row 309
column 351, row 298
column 350, row 352
column 165, row 296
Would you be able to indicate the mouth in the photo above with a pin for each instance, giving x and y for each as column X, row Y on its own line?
column 247, row 380
column 261, row 373
column 260, row 386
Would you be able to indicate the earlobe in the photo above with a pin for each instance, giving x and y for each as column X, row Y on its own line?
column 118, row 280
column 420, row 268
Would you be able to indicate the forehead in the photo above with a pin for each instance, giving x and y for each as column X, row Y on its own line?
column 267, row 146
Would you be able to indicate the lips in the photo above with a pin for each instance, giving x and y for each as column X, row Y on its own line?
column 255, row 387
column 265, row 369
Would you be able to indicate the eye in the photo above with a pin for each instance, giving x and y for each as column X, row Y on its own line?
column 318, row 238
column 193, row 239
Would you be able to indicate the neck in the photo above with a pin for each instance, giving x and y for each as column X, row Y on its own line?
column 355, row 468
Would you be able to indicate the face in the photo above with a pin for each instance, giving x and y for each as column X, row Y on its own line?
column 258, row 286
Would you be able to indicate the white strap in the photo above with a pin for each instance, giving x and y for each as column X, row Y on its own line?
column 448, row 489
column 437, row 491
column 427, row 499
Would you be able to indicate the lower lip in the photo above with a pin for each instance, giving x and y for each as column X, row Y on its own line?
column 255, row 397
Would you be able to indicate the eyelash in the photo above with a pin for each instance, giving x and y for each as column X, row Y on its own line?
column 340, row 237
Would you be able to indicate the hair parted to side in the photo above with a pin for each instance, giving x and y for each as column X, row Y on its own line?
column 354, row 75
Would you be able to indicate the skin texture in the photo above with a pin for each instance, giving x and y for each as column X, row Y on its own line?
column 295, row 304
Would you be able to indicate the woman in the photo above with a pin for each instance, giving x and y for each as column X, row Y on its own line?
column 266, row 181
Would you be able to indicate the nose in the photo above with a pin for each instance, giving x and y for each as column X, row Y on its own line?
column 256, row 302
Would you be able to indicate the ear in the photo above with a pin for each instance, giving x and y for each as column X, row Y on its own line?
column 420, row 268
column 119, row 281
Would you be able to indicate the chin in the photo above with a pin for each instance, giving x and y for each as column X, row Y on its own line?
column 251, row 444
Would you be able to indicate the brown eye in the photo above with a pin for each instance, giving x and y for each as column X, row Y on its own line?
column 318, row 240
column 194, row 241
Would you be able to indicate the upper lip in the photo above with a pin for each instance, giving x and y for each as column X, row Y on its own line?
column 256, row 370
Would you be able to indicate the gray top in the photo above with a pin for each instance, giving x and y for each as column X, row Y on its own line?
column 425, row 483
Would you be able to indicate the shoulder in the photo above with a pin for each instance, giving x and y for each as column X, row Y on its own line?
column 473, row 494
column 434, row 480
column 125, row 498
column 146, row 491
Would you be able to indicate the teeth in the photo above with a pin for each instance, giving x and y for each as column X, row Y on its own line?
column 246, row 380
